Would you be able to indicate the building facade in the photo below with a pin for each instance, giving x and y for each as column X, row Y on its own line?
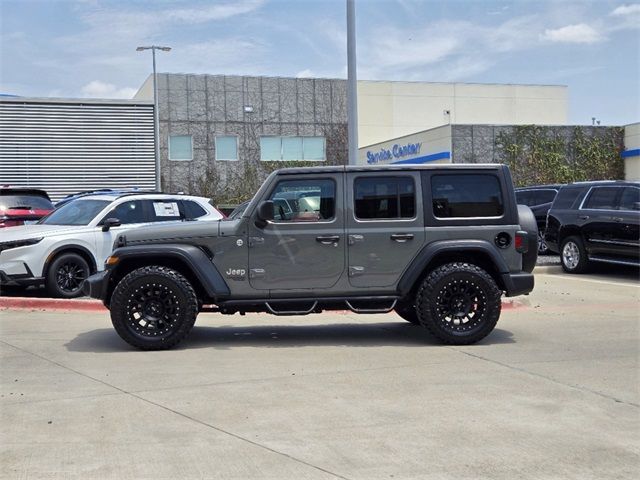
column 220, row 135
column 68, row 145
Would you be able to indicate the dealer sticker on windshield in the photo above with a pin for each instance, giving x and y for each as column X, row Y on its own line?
column 166, row 209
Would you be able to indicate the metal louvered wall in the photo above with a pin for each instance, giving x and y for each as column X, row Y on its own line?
column 68, row 146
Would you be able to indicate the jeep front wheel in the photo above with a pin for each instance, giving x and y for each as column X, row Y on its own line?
column 459, row 303
column 153, row 308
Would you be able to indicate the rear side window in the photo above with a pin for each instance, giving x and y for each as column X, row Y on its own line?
column 464, row 196
column 566, row 197
column 602, row 198
column 384, row 197
column 164, row 210
column 193, row 210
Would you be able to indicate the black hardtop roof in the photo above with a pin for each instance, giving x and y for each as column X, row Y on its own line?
column 390, row 168
column 9, row 190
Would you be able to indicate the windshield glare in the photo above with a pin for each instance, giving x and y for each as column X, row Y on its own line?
column 78, row 212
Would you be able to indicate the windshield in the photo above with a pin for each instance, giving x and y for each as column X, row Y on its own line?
column 78, row 212
column 24, row 202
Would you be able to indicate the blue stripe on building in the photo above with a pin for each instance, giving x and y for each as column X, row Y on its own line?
column 631, row 153
column 427, row 158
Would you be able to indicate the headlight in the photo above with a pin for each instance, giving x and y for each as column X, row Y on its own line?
column 19, row 243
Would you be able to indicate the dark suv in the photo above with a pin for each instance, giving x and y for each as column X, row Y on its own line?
column 539, row 199
column 595, row 222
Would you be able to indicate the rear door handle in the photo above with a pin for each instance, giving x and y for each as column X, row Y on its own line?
column 328, row 239
column 618, row 219
column 402, row 237
column 583, row 217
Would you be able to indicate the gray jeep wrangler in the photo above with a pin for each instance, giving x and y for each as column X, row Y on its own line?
column 439, row 244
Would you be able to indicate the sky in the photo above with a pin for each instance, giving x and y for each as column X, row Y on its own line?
column 87, row 48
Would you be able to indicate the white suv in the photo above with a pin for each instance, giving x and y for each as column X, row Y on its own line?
column 73, row 241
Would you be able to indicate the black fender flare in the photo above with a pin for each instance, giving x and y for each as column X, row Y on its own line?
column 431, row 251
column 195, row 259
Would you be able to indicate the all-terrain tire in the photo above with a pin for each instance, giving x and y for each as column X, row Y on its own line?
column 153, row 308
column 407, row 311
column 573, row 255
column 65, row 275
column 459, row 303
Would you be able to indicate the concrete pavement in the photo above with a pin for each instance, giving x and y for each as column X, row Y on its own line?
column 552, row 393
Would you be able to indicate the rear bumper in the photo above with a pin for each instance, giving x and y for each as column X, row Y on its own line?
column 20, row 280
column 96, row 286
column 518, row 283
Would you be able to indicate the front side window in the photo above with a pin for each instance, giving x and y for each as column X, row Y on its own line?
column 304, row 200
column 129, row 212
column 226, row 147
column 76, row 212
column 180, row 147
column 384, row 198
column 602, row 198
column 464, row 196
column 310, row 149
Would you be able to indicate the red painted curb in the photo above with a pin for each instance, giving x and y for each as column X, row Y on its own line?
column 26, row 303
column 81, row 305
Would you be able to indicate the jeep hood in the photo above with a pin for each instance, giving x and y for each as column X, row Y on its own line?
column 174, row 233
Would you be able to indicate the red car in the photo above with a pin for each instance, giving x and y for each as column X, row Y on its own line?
column 20, row 205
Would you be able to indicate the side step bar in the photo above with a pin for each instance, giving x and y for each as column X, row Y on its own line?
column 615, row 261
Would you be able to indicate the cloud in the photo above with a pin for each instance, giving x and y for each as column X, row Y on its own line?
column 213, row 12
column 306, row 73
column 579, row 33
column 624, row 10
column 98, row 89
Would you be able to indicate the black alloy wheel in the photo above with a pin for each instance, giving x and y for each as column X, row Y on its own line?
column 459, row 303
column 153, row 308
column 66, row 274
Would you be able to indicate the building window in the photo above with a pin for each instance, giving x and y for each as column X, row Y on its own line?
column 226, row 147
column 180, row 147
column 310, row 149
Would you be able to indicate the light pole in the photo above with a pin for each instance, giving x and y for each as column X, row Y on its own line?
column 352, row 84
column 156, row 121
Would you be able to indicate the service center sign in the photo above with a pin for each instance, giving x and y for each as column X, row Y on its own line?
column 397, row 152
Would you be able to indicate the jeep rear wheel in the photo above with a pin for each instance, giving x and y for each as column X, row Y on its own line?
column 459, row 303
column 153, row 308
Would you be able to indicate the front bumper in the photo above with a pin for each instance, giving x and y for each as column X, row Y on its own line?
column 97, row 285
column 517, row 283
column 19, row 280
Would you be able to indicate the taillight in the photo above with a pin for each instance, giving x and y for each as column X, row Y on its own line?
column 520, row 242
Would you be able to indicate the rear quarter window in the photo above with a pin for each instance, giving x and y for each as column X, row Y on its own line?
column 566, row 197
column 466, row 196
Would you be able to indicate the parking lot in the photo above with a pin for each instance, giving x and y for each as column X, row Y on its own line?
column 552, row 393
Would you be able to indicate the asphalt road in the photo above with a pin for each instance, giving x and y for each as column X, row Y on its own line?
column 552, row 393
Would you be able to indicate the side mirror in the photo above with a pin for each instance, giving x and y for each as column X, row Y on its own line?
column 110, row 222
column 265, row 213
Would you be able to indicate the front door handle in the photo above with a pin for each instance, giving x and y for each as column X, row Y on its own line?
column 402, row 237
column 583, row 217
column 328, row 239
column 618, row 219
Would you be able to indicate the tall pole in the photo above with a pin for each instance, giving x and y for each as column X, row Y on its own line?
column 352, row 83
column 156, row 116
column 156, row 124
